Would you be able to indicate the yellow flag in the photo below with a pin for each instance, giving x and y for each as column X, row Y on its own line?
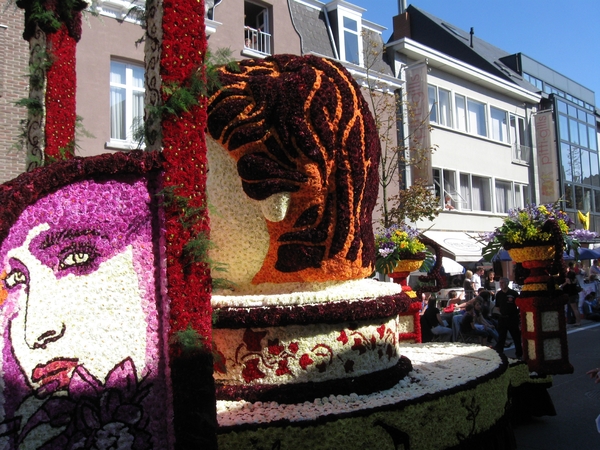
column 584, row 219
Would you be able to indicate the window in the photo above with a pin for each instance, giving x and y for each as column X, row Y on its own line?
column 439, row 106
column 444, row 107
column 476, row 117
column 432, row 103
column 504, row 196
column 257, row 29
column 126, row 100
column 461, row 113
column 498, row 125
column 476, row 192
column 351, row 41
column 444, row 181
column 518, row 139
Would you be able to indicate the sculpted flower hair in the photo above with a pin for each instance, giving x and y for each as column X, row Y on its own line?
column 300, row 125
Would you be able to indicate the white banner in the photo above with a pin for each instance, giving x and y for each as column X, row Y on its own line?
column 418, row 122
column 547, row 157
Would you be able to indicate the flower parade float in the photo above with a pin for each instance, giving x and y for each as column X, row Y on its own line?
column 311, row 352
column 536, row 237
column 106, row 298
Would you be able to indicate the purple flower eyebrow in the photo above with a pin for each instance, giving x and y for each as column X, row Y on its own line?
column 57, row 237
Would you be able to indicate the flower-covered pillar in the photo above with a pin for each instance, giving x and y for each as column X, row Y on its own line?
column 53, row 28
column 176, row 38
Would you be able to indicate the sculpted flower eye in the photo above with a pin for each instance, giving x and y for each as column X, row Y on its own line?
column 14, row 278
column 80, row 256
column 74, row 259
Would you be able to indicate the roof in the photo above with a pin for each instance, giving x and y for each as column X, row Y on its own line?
column 444, row 37
column 316, row 32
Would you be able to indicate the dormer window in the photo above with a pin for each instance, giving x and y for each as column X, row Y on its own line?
column 346, row 24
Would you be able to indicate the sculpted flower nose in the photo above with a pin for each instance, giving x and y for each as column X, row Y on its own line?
column 48, row 336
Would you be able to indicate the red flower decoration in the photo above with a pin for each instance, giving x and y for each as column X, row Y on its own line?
column 343, row 338
column 381, row 331
column 251, row 371
column 293, row 347
column 252, row 339
column 283, row 368
column 358, row 345
column 274, row 347
column 305, row 361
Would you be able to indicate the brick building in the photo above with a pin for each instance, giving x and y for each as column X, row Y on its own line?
column 14, row 55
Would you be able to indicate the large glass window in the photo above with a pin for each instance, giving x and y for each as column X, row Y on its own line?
column 126, row 100
column 498, row 124
column 565, row 159
column 476, row 117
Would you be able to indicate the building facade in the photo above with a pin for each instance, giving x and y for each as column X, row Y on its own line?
column 480, row 119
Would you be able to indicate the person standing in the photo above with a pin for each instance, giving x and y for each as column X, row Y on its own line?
column 595, row 269
column 476, row 279
column 508, row 321
column 468, row 285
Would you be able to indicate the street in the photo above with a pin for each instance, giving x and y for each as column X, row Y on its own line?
column 576, row 399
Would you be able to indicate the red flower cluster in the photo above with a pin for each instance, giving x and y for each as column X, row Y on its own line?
column 60, row 95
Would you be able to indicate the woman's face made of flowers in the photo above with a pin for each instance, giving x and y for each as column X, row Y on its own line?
column 73, row 293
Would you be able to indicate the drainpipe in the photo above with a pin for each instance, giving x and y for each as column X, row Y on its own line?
column 331, row 38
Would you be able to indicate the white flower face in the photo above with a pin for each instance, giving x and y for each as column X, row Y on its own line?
column 238, row 226
column 83, row 309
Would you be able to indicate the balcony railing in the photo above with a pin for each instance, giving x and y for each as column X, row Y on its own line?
column 521, row 154
column 257, row 40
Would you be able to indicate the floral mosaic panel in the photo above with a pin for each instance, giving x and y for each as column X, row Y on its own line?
column 83, row 361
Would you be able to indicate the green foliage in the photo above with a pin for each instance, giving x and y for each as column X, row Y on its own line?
column 34, row 105
column 413, row 203
column 189, row 341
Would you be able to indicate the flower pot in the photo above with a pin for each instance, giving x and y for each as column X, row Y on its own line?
column 401, row 272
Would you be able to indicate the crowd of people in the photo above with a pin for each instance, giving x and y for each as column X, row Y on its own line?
column 480, row 311
column 486, row 309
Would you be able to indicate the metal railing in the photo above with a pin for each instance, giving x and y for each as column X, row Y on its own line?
column 521, row 153
column 257, row 40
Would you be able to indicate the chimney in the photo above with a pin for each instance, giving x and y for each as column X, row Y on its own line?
column 401, row 7
column 472, row 32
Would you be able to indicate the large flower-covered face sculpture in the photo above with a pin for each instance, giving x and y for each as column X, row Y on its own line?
column 303, row 154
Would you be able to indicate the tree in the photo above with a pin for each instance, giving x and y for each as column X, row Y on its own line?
column 412, row 201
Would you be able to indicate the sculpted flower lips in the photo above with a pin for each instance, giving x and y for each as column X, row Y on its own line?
column 54, row 375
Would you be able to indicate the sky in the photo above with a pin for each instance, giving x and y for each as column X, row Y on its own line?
column 563, row 35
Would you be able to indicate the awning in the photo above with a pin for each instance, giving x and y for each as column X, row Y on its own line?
column 457, row 244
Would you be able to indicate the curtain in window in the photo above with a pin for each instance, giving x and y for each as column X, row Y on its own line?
column 444, row 102
column 476, row 118
column 465, row 192
column 461, row 113
column 432, row 104
column 498, row 125
column 503, row 197
column 117, row 113
column 477, row 194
